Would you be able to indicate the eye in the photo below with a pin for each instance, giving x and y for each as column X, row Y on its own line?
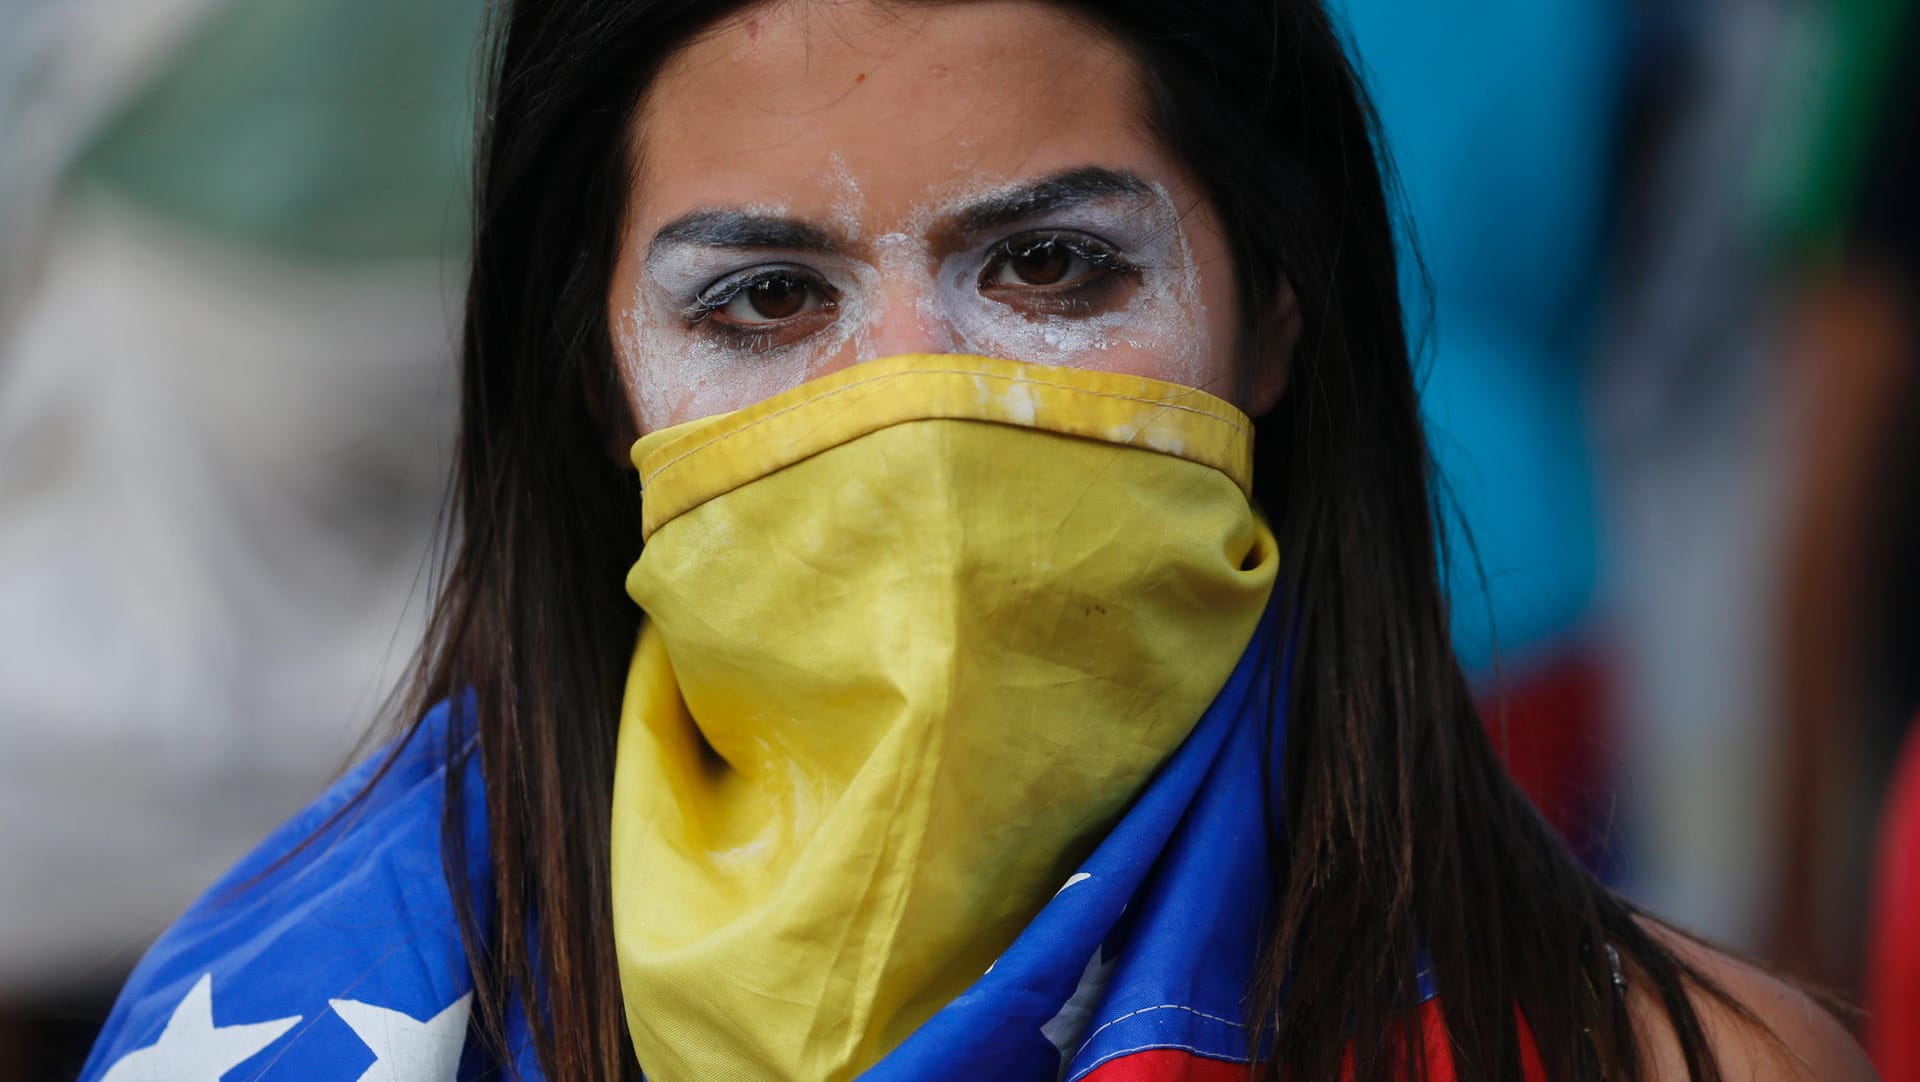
column 1056, row 273
column 763, row 295
column 1040, row 263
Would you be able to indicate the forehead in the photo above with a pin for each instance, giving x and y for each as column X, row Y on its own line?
column 807, row 106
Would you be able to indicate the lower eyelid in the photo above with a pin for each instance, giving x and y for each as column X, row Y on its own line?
column 757, row 337
column 1087, row 298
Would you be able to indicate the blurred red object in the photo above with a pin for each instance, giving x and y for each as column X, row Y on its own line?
column 1893, row 988
column 1554, row 728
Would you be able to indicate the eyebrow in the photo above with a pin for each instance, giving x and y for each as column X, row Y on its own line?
column 1057, row 192
column 743, row 229
column 752, row 229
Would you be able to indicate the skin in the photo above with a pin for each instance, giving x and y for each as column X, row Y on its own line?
column 867, row 125
column 1802, row 1042
column 877, row 130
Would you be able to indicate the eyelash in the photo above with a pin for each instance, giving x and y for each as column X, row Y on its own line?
column 1084, row 245
column 1074, row 298
column 728, row 289
column 1071, row 299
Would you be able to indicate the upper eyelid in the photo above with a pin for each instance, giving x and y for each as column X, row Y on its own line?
column 1101, row 251
column 735, row 280
column 1090, row 242
column 1118, row 233
column 1063, row 234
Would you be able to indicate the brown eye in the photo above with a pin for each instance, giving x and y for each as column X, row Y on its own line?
column 768, row 295
column 776, row 298
column 1047, row 268
column 1041, row 264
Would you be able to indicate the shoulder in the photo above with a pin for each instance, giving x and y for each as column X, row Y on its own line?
column 350, row 898
column 1800, row 1041
column 386, row 810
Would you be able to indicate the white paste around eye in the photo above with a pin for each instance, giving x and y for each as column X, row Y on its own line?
column 1163, row 324
column 680, row 375
column 675, row 375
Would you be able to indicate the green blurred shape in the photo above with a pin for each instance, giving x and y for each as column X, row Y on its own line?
column 330, row 130
column 1822, row 121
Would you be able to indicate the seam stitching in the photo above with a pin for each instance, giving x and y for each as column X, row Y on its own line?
column 1160, row 1007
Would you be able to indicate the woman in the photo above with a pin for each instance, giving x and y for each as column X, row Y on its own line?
column 979, row 724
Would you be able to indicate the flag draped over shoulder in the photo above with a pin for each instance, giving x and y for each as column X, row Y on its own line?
column 333, row 961
column 343, row 962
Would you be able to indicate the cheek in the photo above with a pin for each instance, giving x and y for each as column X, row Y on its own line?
column 671, row 374
column 672, row 389
column 1220, row 294
column 1197, row 318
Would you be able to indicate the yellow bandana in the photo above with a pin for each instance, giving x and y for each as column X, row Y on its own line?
column 917, row 632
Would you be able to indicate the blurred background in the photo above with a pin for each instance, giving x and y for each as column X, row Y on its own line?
column 1668, row 310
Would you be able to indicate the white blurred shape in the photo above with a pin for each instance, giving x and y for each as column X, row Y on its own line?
column 217, row 477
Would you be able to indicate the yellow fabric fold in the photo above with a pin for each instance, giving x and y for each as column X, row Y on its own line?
column 688, row 464
column 917, row 632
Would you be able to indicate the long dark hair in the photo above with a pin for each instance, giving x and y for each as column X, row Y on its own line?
column 1402, row 837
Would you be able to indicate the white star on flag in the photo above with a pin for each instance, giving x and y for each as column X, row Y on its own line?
column 1065, row 1029
column 191, row 1048
column 406, row 1049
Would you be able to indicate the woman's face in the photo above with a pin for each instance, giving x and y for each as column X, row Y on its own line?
column 822, row 183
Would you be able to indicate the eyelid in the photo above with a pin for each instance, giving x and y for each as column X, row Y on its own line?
column 1078, row 241
column 1095, row 249
column 722, row 290
column 734, row 281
